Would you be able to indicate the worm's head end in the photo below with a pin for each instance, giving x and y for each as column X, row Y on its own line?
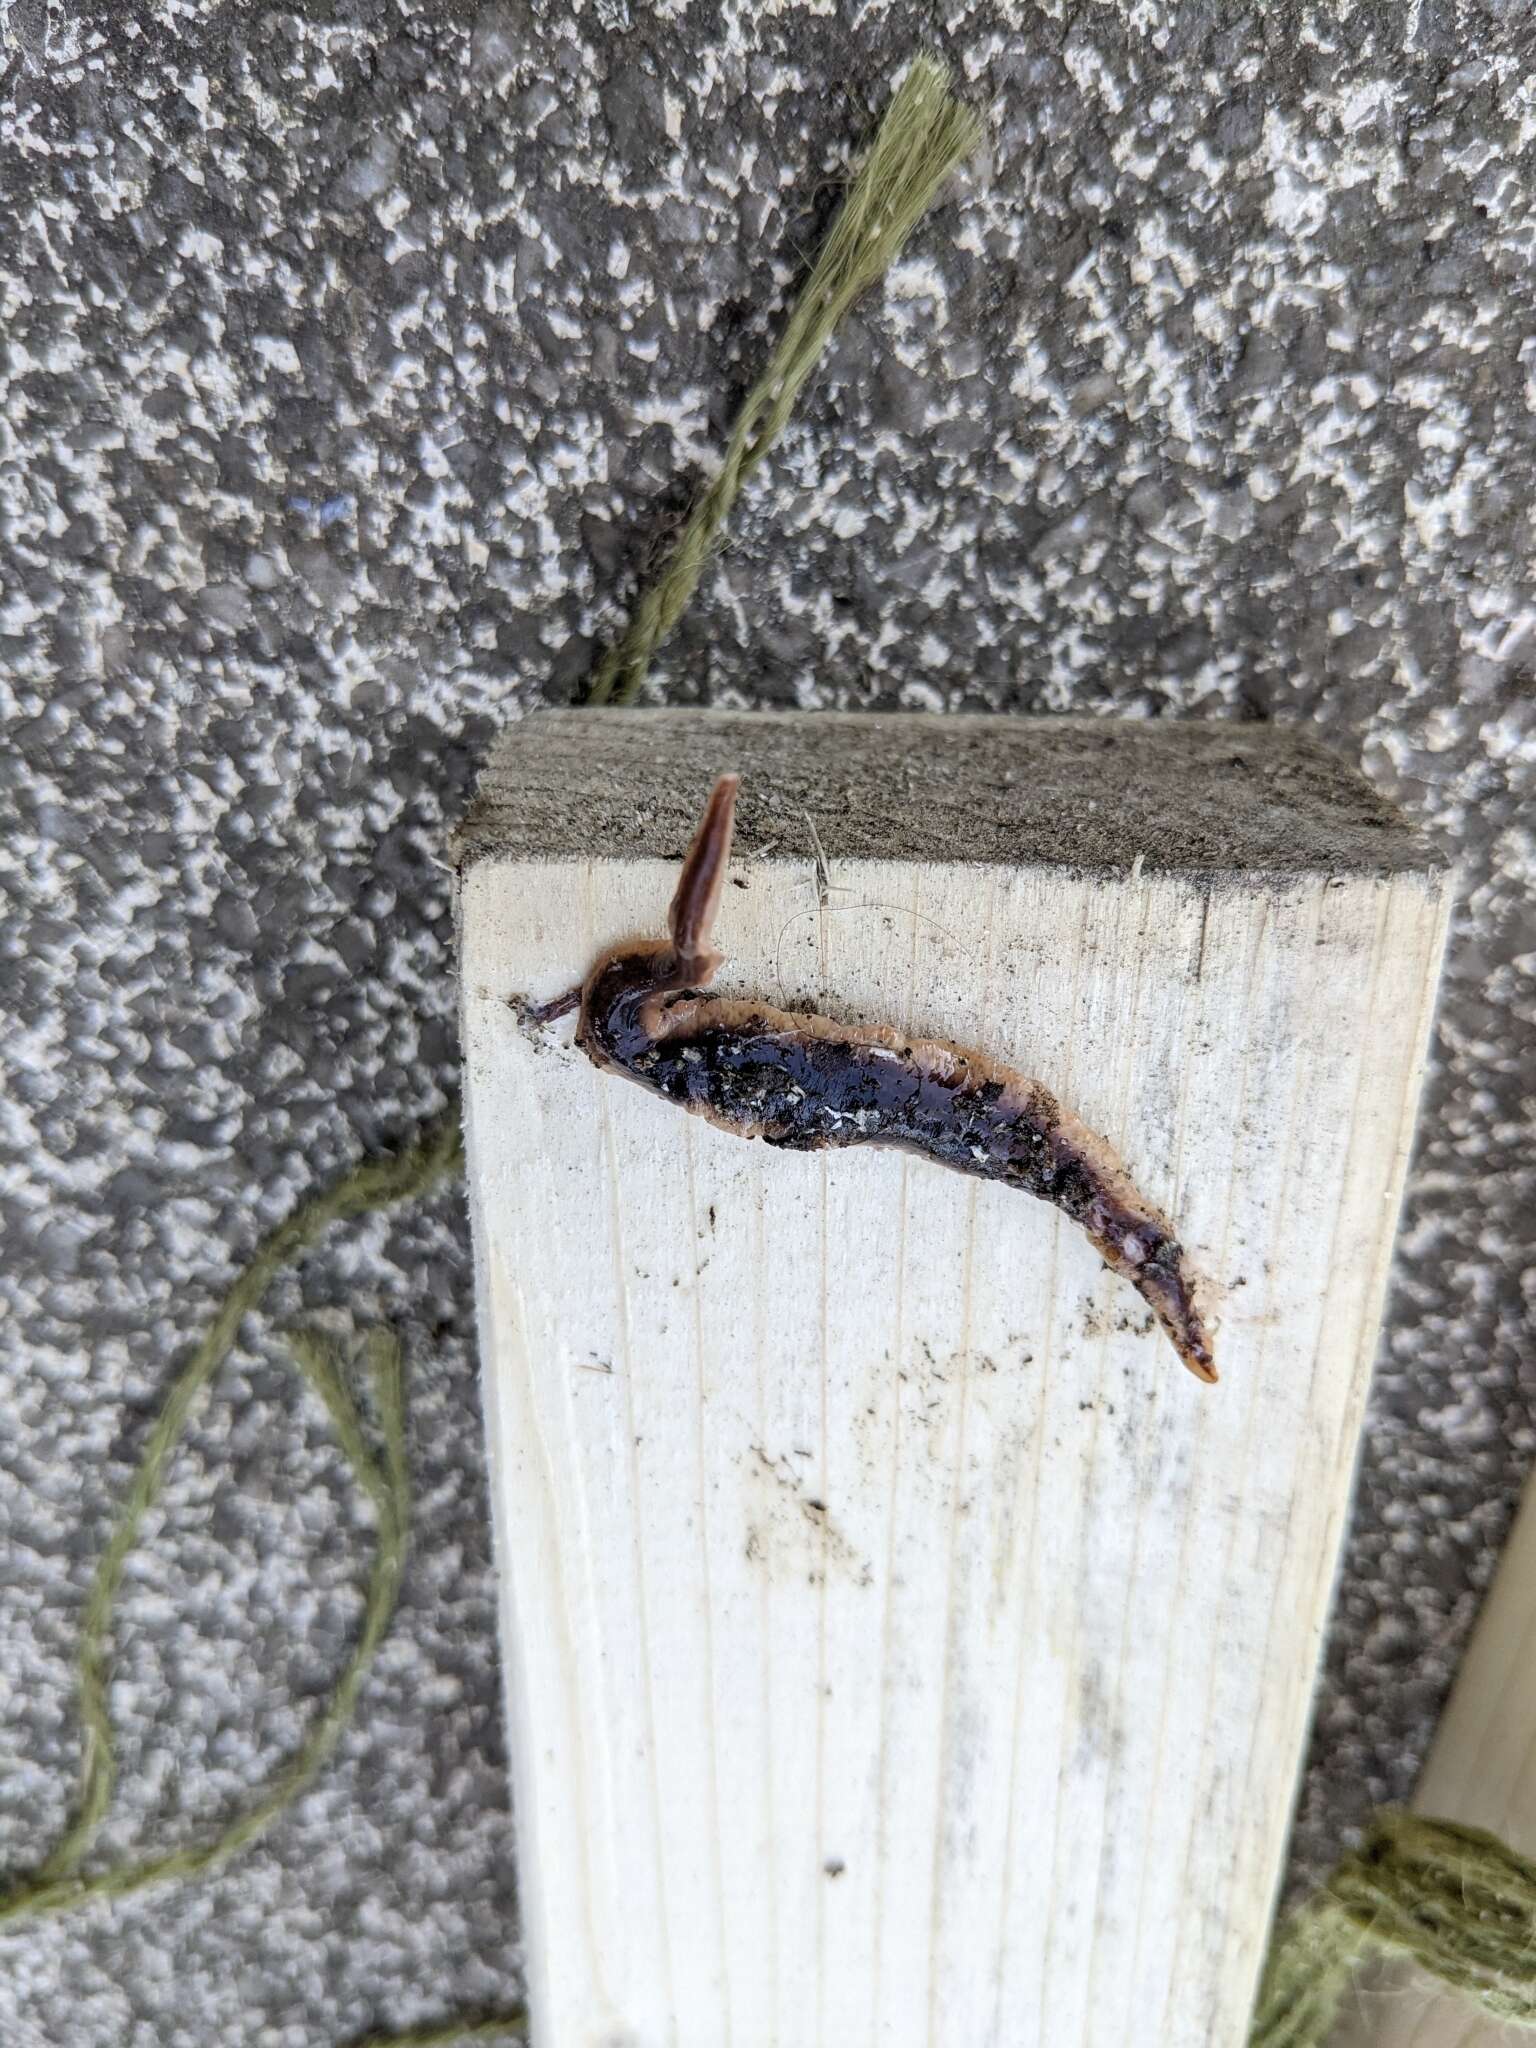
column 700, row 884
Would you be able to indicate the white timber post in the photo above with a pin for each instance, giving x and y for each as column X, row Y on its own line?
column 1481, row 1771
column 902, row 1650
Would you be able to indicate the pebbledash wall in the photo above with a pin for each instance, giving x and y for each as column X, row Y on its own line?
column 356, row 358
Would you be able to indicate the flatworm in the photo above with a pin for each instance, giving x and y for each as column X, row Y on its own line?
column 805, row 1082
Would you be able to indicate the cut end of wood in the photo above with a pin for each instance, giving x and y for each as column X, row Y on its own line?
column 1086, row 794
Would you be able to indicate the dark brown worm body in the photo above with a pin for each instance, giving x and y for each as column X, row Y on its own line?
column 806, row 1083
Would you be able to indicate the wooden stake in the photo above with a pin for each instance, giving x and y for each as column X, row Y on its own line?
column 1481, row 1770
column 901, row 1647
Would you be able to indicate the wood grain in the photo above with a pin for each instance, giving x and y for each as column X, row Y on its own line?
column 901, row 1647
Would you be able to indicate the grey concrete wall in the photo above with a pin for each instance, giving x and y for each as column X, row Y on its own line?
column 357, row 357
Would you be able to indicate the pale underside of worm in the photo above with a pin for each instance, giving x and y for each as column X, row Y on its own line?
column 806, row 1082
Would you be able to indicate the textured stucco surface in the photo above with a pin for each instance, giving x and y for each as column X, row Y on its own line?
column 354, row 357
